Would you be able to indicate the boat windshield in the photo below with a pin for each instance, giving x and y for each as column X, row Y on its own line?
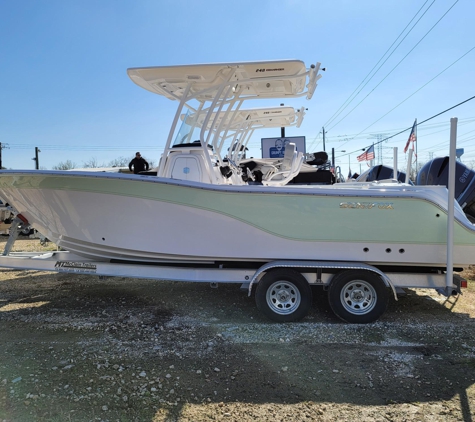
column 185, row 133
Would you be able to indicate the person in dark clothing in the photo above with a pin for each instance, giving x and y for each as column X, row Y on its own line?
column 138, row 163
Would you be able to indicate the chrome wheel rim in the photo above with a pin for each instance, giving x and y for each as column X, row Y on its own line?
column 358, row 297
column 283, row 297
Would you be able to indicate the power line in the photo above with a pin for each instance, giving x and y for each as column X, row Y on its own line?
column 85, row 148
column 461, row 139
column 423, row 86
column 461, row 122
column 365, row 135
column 415, row 92
column 350, row 99
column 418, row 124
column 394, row 68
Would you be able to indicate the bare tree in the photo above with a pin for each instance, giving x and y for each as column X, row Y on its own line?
column 119, row 162
column 66, row 165
column 93, row 163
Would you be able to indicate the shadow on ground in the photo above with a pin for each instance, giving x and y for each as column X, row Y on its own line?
column 84, row 348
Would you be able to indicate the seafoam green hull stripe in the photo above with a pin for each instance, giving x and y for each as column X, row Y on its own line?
column 299, row 217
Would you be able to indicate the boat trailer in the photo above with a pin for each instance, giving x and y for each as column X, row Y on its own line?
column 357, row 292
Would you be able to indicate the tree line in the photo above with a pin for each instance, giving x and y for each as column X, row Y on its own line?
column 94, row 163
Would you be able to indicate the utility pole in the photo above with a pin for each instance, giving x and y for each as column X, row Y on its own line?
column 2, row 146
column 323, row 130
column 36, row 159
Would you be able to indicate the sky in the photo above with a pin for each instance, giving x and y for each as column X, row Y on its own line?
column 64, row 87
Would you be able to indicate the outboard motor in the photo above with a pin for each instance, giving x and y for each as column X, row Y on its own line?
column 436, row 172
column 320, row 159
column 381, row 172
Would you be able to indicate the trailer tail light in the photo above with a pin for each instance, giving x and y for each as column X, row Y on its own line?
column 459, row 283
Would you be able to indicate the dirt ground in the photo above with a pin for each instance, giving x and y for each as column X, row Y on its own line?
column 80, row 348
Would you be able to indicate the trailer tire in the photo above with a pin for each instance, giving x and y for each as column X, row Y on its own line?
column 358, row 296
column 284, row 295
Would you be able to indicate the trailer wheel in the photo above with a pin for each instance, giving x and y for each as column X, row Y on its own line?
column 358, row 296
column 284, row 295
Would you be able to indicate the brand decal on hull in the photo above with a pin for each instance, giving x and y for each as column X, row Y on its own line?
column 367, row 205
column 75, row 267
column 464, row 176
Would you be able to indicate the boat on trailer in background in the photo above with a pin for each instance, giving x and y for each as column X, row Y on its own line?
column 212, row 214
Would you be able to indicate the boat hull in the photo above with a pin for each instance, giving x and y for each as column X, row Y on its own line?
column 149, row 219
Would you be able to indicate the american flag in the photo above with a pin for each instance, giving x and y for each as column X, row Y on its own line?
column 412, row 137
column 367, row 155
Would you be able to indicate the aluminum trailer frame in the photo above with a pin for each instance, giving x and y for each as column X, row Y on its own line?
column 315, row 272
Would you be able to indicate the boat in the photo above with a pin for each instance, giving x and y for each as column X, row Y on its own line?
column 207, row 205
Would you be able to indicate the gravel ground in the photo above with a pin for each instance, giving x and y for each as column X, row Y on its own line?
column 80, row 348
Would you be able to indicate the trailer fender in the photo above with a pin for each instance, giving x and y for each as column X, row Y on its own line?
column 321, row 265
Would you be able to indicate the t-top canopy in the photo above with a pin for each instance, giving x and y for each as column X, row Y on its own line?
column 250, row 118
column 205, row 82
